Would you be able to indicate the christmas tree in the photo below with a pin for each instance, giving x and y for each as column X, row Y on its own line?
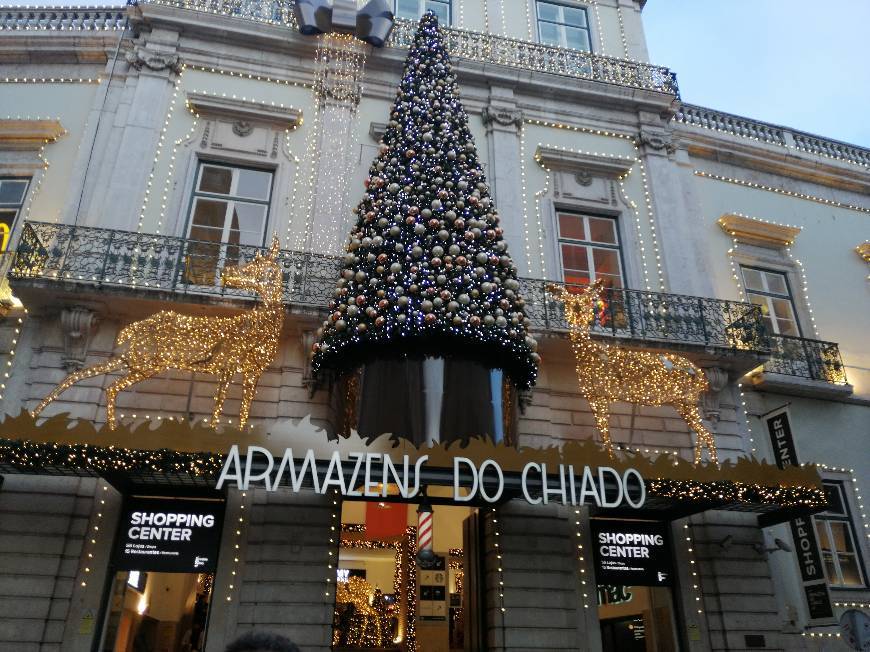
column 427, row 271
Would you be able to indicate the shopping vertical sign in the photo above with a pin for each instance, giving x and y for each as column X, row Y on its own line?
column 803, row 530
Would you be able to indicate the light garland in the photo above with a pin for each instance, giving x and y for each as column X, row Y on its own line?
column 652, row 223
column 531, row 34
column 599, row 30
column 581, row 558
column 781, row 191
column 821, row 634
column 244, row 344
column 10, row 362
column 335, row 529
column 608, row 373
column 237, row 538
column 248, row 75
column 853, row 605
column 90, row 545
column 752, row 448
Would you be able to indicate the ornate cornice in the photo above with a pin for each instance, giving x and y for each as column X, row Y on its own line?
column 754, row 231
column 501, row 116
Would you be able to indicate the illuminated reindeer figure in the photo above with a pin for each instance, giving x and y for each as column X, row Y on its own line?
column 611, row 373
column 221, row 346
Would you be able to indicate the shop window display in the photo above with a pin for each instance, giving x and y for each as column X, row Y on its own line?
column 385, row 599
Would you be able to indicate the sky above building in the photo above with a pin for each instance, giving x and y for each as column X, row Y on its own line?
column 797, row 63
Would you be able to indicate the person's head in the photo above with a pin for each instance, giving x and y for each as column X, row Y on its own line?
column 262, row 642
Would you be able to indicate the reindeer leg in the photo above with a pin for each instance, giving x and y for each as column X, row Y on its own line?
column 89, row 372
column 249, row 388
column 692, row 416
column 220, row 396
column 601, row 412
column 135, row 376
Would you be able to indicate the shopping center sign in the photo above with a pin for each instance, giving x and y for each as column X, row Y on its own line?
column 370, row 475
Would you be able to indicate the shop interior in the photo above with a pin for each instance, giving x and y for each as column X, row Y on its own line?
column 158, row 612
column 384, row 598
column 636, row 619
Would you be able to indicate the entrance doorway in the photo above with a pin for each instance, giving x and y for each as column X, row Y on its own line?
column 636, row 619
column 385, row 601
column 158, row 612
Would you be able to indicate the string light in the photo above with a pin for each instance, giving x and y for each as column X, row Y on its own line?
column 581, row 558
column 222, row 346
column 334, row 539
column 237, row 547
column 601, row 48
column 781, row 191
column 161, row 139
column 647, row 197
column 51, row 80
column 493, row 514
column 91, row 544
column 853, row 605
column 693, row 567
column 752, row 449
column 821, row 634
column 622, row 30
column 608, row 373
column 10, row 361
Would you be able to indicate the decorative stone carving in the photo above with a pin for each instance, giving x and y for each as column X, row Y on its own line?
column 583, row 177
column 77, row 324
column 524, row 399
column 242, row 128
column 503, row 117
column 718, row 379
column 142, row 57
column 308, row 379
column 658, row 141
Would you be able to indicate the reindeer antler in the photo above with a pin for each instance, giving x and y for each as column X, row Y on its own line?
column 275, row 248
column 558, row 292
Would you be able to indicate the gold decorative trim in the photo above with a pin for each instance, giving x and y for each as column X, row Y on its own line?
column 29, row 134
column 755, row 231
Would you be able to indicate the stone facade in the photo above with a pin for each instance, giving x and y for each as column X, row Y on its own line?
column 162, row 86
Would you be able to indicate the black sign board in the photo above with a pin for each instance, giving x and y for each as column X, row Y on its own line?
column 631, row 553
column 169, row 536
column 818, row 601
column 803, row 530
column 781, row 440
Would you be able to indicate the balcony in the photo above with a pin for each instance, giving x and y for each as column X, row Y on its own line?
column 461, row 43
column 803, row 367
column 53, row 259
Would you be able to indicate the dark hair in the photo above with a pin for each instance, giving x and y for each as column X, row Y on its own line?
column 262, row 642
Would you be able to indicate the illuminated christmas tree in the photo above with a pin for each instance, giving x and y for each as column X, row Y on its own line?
column 427, row 271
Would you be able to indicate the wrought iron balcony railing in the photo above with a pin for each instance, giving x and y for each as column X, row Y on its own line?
column 657, row 316
column 462, row 43
column 813, row 359
column 106, row 258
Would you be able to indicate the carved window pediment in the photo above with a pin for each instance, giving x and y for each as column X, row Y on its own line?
column 245, row 112
column 754, row 231
column 583, row 164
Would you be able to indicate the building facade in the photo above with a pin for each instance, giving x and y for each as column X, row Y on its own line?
column 145, row 149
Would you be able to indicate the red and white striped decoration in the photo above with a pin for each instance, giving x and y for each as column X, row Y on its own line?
column 424, row 531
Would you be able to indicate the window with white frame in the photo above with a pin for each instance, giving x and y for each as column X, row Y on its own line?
column 563, row 25
column 228, row 211
column 414, row 9
column 589, row 249
column 13, row 190
column 837, row 539
column 770, row 290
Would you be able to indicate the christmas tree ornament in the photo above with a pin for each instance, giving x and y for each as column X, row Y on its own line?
column 427, row 250
column 221, row 346
column 610, row 373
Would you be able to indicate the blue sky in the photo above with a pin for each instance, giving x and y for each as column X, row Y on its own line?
column 797, row 63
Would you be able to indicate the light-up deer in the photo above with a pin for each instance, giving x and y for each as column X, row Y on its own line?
column 608, row 374
column 221, row 346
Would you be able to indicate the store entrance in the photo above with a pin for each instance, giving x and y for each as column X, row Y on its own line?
column 158, row 612
column 385, row 600
column 636, row 619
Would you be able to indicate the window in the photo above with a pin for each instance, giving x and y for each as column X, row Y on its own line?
column 838, row 541
column 12, row 193
column 230, row 206
column 770, row 290
column 563, row 26
column 414, row 9
column 589, row 248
